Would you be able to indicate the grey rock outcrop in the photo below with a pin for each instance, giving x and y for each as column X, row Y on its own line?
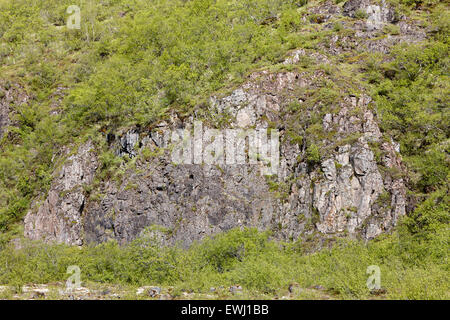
column 59, row 218
column 4, row 116
column 9, row 93
column 127, row 144
column 377, row 13
column 344, row 194
column 369, row 33
column 354, row 189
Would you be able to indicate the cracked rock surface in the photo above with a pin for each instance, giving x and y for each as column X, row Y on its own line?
column 338, row 196
column 349, row 191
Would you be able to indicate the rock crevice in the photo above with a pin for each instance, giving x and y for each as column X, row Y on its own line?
column 345, row 193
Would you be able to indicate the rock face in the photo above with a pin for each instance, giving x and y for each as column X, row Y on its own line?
column 127, row 144
column 378, row 14
column 9, row 94
column 351, row 187
column 59, row 218
column 369, row 19
column 344, row 193
column 4, row 118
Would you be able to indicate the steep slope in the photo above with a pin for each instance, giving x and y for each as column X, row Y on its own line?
column 87, row 157
column 324, row 123
column 344, row 190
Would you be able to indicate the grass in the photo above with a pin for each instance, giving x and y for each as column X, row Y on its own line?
column 411, row 268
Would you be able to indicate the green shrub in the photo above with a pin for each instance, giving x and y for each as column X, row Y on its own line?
column 223, row 251
column 360, row 14
column 411, row 267
column 313, row 154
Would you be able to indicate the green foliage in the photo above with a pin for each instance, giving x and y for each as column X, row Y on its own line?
column 411, row 267
column 337, row 27
column 130, row 64
column 174, row 52
column 418, row 3
column 224, row 251
column 431, row 215
column 360, row 14
column 109, row 163
column 391, row 29
column 313, row 154
column 133, row 62
column 411, row 97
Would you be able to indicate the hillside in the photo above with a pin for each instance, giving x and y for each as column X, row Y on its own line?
column 195, row 144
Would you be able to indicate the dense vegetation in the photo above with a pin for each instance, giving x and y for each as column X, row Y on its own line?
column 134, row 60
column 129, row 63
column 410, row 268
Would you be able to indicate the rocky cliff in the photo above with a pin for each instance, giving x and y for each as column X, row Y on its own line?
column 351, row 186
column 10, row 94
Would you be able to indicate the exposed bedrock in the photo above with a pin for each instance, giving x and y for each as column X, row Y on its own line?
column 348, row 192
